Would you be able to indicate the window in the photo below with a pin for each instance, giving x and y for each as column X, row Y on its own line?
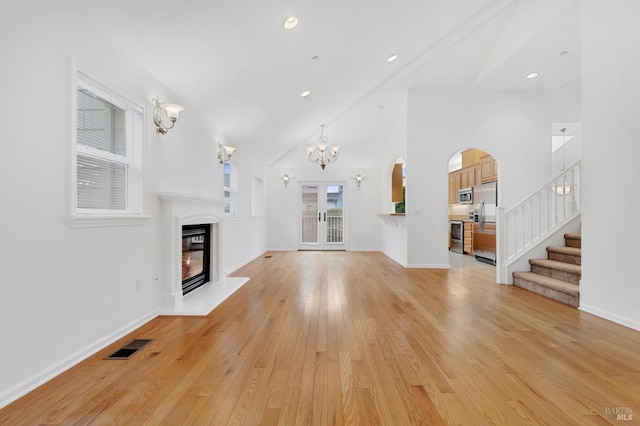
column 230, row 189
column 108, row 151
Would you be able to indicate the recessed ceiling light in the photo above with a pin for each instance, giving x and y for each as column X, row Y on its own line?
column 532, row 75
column 392, row 57
column 305, row 93
column 290, row 23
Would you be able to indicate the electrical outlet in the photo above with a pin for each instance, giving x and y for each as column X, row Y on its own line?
column 138, row 286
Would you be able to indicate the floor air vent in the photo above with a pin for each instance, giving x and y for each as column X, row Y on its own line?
column 129, row 349
column 268, row 257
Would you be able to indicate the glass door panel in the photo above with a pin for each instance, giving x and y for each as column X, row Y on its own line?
column 310, row 223
column 335, row 218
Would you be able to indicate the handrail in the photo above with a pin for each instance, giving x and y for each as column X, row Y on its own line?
column 551, row 206
column 546, row 185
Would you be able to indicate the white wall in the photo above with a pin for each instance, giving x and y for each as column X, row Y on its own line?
column 244, row 236
column 566, row 103
column 393, row 238
column 393, row 233
column 69, row 291
column 512, row 126
column 611, row 125
column 572, row 149
column 567, row 113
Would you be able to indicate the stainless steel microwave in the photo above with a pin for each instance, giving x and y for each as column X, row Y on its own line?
column 465, row 196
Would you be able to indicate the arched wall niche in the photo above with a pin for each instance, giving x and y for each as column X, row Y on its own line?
column 396, row 178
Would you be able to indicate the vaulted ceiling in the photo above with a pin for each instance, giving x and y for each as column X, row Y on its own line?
column 233, row 61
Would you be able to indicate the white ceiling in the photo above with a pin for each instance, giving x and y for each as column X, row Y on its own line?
column 233, row 62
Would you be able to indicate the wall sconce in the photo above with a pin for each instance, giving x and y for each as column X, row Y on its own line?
column 285, row 179
column 358, row 178
column 171, row 110
column 225, row 152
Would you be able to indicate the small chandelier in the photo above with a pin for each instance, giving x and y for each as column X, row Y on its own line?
column 225, row 152
column 172, row 111
column 321, row 153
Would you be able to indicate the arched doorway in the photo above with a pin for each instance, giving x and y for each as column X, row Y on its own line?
column 473, row 200
column 398, row 186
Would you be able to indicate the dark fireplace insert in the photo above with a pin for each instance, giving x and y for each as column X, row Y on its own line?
column 196, row 256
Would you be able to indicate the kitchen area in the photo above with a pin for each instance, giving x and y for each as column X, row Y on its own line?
column 473, row 199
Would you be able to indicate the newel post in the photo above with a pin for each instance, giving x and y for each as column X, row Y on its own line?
column 501, row 247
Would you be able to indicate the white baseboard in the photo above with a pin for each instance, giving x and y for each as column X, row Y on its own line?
column 63, row 365
column 232, row 269
column 635, row 325
column 429, row 266
column 404, row 265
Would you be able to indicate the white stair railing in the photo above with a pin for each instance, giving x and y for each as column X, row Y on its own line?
column 538, row 216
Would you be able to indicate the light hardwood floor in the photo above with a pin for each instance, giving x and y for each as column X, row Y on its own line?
column 352, row 338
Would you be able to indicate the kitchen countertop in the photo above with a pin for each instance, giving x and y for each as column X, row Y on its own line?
column 460, row 218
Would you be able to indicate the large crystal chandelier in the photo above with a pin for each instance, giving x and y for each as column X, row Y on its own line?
column 321, row 153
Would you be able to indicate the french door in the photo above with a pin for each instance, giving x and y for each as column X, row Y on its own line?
column 322, row 217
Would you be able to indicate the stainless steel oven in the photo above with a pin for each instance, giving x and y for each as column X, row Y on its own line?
column 456, row 236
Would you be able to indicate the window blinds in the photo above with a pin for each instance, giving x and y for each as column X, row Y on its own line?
column 106, row 173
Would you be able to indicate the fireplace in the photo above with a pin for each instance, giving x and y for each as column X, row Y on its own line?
column 196, row 256
column 188, row 212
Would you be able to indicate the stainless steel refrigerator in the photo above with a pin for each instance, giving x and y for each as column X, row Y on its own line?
column 485, row 197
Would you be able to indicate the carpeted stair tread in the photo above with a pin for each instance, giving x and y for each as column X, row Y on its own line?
column 571, row 251
column 573, row 236
column 558, row 276
column 573, row 240
column 560, row 266
column 565, row 254
column 555, row 284
column 551, row 288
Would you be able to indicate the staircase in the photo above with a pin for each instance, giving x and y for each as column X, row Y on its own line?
column 558, row 276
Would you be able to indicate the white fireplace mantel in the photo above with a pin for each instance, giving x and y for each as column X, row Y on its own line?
column 181, row 209
column 182, row 198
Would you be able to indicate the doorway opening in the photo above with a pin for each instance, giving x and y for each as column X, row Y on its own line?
column 322, row 219
column 473, row 201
